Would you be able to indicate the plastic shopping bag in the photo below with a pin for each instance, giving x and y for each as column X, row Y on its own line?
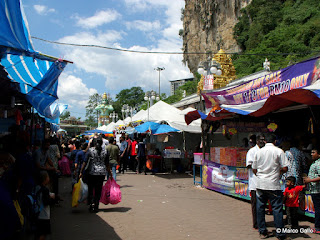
column 115, row 193
column 83, row 191
column 64, row 166
column 105, row 193
column 76, row 193
column 110, row 192
column 149, row 164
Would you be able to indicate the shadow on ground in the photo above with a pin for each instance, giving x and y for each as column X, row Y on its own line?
column 78, row 223
column 173, row 175
column 115, row 209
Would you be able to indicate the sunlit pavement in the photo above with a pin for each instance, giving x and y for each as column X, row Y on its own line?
column 161, row 206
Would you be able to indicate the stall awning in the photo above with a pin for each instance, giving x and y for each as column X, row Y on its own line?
column 299, row 83
column 14, row 26
column 36, row 73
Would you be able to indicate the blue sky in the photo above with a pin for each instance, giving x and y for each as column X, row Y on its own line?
column 145, row 25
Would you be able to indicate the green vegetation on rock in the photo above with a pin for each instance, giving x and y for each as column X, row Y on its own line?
column 279, row 26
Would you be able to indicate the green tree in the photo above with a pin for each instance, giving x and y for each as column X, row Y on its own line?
column 91, row 122
column 174, row 98
column 94, row 101
column 190, row 87
column 65, row 115
column 272, row 27
column 133, row 96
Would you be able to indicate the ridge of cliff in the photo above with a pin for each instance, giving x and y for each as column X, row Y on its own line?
column 208, row 26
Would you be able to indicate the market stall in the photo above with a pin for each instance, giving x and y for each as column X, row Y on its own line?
column 267, row 103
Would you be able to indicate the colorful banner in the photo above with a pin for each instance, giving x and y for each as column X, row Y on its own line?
column 233, row 181
column 298, row 76
column 208, row 82
column 226, row 179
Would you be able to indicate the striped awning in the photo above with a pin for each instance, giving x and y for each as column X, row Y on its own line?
column 36, row 73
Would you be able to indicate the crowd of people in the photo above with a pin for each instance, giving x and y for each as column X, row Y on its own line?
column 29, row 175
column 277, row 178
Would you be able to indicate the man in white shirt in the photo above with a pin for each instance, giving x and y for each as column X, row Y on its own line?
column 259, row 143
column 269, row 164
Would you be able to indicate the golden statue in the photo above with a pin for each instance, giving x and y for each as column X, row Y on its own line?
column 228, row 72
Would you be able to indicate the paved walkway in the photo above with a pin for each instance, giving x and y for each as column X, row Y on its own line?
column 159, row 207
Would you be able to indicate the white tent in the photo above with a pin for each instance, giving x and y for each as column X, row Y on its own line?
column 138, row 115
column 119, row 123
column 162, row 111
column 188, row 109
column 127, row 120
column 109, row 128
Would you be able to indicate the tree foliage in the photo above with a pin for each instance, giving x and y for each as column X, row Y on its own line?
column 65, row 115
column 272, row 27
column 94, row 101
column 91, row 121
column 133, row 96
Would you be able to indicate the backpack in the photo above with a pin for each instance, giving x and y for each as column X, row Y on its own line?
column 35, row 206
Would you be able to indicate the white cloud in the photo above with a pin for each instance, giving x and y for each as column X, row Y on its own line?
column 102, row 38
column 118, row 70
column 143, row 25
column 125, row 70
column 43, row 10
column 137, row 5
column 100, row 18
column 73, row 91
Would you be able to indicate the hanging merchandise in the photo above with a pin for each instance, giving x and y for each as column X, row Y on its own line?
column 163, row 138
column 310, row 126
column 272, row 127
column 232, row 131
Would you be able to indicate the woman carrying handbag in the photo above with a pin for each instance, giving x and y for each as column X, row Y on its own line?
column 97, row 160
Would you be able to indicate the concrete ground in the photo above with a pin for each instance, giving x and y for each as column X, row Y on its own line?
column 162, row 206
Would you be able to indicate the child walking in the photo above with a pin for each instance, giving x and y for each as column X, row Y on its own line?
column 291, row 201
column 44, row 199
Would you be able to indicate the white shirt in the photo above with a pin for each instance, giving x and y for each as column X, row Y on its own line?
column 268, row 161
column 105, row 143
column 249, row 160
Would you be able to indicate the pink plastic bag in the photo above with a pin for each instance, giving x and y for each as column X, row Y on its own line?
column 64, row 166
column 110, row 192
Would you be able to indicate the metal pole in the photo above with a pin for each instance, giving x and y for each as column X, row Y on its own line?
column 31, row 126
column 202, row 131
column 159, row 69
column 159, row 82
column 148, row 108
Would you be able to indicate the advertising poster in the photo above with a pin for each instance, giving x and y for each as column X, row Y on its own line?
column 226, row 179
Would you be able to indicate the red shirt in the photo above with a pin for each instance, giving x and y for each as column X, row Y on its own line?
column 133, row 148
column 292, row 196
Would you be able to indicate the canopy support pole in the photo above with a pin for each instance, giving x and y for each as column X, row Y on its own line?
column 202, row 130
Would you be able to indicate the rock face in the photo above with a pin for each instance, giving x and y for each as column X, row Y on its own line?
column 207, row 27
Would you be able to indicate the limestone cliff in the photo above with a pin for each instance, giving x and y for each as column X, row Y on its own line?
column 208, row 26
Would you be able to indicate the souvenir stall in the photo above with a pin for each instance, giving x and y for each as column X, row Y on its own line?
column 268, row 103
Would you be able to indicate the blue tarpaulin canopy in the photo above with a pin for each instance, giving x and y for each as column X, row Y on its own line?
column 163, row 128
column 147, row 126
column 36, row 73
column 155, row 128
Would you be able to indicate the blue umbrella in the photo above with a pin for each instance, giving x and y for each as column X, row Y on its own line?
column 163, row 128
column 147, row 126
